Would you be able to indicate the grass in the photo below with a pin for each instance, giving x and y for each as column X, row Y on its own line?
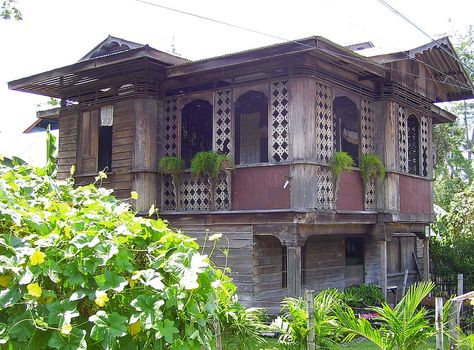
column 355, row 345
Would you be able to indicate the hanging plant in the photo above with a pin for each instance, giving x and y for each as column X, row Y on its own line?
column 371, row 167
column 173, row 166
column 210, row 164
column 340, row 161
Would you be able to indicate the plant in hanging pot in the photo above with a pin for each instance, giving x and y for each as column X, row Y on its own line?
column 173, row 166
column 210, row 164
column 340, row 161
column 371, row 169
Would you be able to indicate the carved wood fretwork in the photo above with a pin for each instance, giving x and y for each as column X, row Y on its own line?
column 367, row 120
column 171, row 127
column 280, row 145
column 402, row 139
column 324, row 123
column 223, row 122
column 325, row 189
column 424, row 133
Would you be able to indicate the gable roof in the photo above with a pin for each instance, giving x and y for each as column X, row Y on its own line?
column 441, row 59
column 110, row 46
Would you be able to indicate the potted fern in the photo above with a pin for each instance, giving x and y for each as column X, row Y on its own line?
column 173, row 166
column 210, row 165
column 340, row 161
column 371, row 169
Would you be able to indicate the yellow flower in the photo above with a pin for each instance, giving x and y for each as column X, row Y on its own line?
column 131, row 282
column 66, row 328
column 72, row 170
column 134, row 195
column 472, row 301
column 37, row 258
column 101, row 298
column 5, row 280
column 34, row 290
column 135, row 328
column 152, row 210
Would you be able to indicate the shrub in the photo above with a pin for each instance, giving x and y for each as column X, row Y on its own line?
column 371, row 166
column 79, row 270
column 340, row 161
column 363, row 295
column 208, row 164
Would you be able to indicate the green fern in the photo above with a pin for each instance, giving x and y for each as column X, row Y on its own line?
column 208, row 164
column 339, row 162
column 371, row 166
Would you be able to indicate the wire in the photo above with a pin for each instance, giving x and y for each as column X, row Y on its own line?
column 398, row 13
column 460, row 84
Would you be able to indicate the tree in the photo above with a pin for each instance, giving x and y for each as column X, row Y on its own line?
column 10, row 11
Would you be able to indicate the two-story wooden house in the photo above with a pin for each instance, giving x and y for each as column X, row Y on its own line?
column 280, row 112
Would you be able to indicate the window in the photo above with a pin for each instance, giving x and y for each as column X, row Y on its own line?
column 196, row 129
column 251, row 128
column 347, row 127
column 413, row 145
column 95, row 149
column 354, row 251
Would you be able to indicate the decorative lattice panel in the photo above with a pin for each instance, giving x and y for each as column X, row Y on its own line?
column 280, row 149
column 402, row 140
column 222, row 195
column 171, row 128
column 324, row 123
column 370, row 195
column 169, row 197
column 367, row 125
column 223, row 122
column 424, row 133
column 325, row 190
column 194, row 193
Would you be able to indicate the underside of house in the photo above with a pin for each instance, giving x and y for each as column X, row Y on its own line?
column 280, row 112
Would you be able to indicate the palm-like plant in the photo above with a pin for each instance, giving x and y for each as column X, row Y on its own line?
column 405, row 327
column 293, row 324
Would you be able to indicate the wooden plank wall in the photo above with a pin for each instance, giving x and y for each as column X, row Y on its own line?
column 239, row 242
column 372, row 263
column 67, row 151
column 268, row 273
column 325, row 263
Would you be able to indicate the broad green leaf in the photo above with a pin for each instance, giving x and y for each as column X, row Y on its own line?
column 111, row 280
column 73, row 341
column 122, row 261
column 9, row 297
column 167, row 330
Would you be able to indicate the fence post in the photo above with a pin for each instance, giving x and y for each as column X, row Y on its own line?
column 309, row 297
column 452, row 323
column 405, row 279
column 460, row 289
column 439, row 323
column 217, row 327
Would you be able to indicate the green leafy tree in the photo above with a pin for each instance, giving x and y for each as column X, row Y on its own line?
column 78, row 270
column 8, row 11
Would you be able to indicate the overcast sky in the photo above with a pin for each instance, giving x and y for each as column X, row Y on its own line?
column 56, row 33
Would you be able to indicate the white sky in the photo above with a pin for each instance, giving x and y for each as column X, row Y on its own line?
column 56, row 33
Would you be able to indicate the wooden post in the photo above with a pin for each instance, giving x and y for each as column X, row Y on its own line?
column 218, row 335
column 383, row 268
column 309, row 297
column 294, row 270
column 426, row 259
column 439, row 323
column 404, row 287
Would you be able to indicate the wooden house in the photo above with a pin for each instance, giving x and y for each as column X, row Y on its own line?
column 280, row 112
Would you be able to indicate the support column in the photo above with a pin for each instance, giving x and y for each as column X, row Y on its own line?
column 383, row 268
column 426, row 259
column 293, row 259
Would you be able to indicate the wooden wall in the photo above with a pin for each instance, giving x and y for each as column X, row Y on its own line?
column 68, row 136
column 415, row 195
column 268, row 273
column 351, row 192
column 324, row 263
column 260, row 187
column 239, row 242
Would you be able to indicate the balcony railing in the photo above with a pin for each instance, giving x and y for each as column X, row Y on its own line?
column 196, row 193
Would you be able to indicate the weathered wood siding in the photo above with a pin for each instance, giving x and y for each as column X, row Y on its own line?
column 67, row 151
column 415, row 195
column 260, row 187
column 238, row 241
column 324, row 261
column 351, row 192
column 372, row 263
column 268, row 263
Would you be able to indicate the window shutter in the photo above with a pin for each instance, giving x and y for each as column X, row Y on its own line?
column 89, row 142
